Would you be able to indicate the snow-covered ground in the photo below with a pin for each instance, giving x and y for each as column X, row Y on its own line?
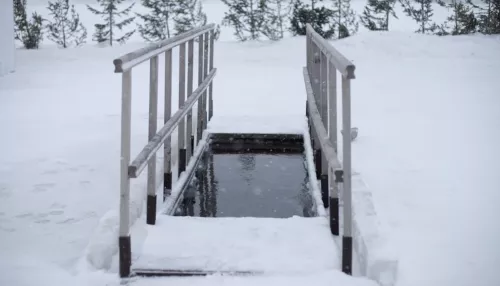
column 427, row 108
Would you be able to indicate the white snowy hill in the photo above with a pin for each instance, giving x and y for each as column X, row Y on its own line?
column 427, row 107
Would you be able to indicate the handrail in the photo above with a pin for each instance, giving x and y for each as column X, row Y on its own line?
column 343, row 65
column 141, row 161
column 134, row 58
column 183, row 119
column 320, row 77
column 326, row 145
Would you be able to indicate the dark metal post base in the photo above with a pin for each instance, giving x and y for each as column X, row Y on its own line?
column 347, row 255
column 125, row 255
column 151, row 210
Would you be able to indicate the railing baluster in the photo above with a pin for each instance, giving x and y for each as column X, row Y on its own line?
column 189, row 127
column 205, row 73
column 315, row 69
column 167, row 152
column 125, row 254
column 308, row 49
column 199, row 125
column 346, row 195
column 332, row 134
column 182, row 97
column 211, row 87
column 323, row 95
column 153, row 117
column 332, row 104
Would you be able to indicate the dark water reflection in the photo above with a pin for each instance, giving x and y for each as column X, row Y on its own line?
column 248, row 185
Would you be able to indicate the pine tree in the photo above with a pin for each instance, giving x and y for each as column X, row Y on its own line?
column 158, row 22
column 105, row 32
column 30, row 33
column 377, row 13
column 345, row 19
column 462, row 20
column 188, row 15
column 66, row 28
column 276, row 15
column 247, row 17
column 320, row 18
column 422, row 15
column 495, row 17
column 488, row 17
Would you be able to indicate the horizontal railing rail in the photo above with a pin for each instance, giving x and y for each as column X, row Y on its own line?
column 134, row 58
column 341, row 63
column 182, row 120
column 320, row 77
column 140, row 162
column 326, row 145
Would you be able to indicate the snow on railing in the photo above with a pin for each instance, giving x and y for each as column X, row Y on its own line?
column 320, row 75
column 186, row 140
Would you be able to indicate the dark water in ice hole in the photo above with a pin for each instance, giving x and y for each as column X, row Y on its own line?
column 248, row 185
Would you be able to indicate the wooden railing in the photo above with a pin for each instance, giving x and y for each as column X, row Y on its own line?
column 182, row 119
column 320, row 76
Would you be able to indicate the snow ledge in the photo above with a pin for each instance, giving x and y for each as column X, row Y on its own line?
column 375, row 260
column 372, row 258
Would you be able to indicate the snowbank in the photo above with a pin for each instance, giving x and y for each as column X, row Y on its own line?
column 427, row 109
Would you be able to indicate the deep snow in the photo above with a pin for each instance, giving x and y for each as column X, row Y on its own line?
column 427, row 109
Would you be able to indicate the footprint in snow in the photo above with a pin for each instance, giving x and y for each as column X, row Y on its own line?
column 25, row 215
column 56, row 212
column 42, row 221
column 42, row 187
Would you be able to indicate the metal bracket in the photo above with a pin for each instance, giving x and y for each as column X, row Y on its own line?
column 339, row 176
column 316, row 58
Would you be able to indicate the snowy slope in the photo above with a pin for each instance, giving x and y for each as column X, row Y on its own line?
column 429, row 114
column 427, row 108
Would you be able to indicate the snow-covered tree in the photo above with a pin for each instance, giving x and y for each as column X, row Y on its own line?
column 188, row 15
column 345, row 19
column 320, row 18
column 65, row 29
column 488, row 16
column 158, row 23
column 377, row 13
column 276, row 17
column 494, row 22
column 112, row 16
column 247, row 17
column 462, row 21
column 422, row 11
column 29, row 32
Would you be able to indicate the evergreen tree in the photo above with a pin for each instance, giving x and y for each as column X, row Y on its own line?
column 421, row 11
column 29, row 32
column 345, row 19
column 495, row 17
column 111, row 15
column 462, row 20
column 66, row 28
column 101, row 34
column 188, row 15
column 276, row 17
column 320, row 18
column 247, row 17
column 488, row 17
column 377, row 13
column 159, row 21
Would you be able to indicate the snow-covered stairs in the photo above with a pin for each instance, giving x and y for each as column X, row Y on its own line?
column 258, row 245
